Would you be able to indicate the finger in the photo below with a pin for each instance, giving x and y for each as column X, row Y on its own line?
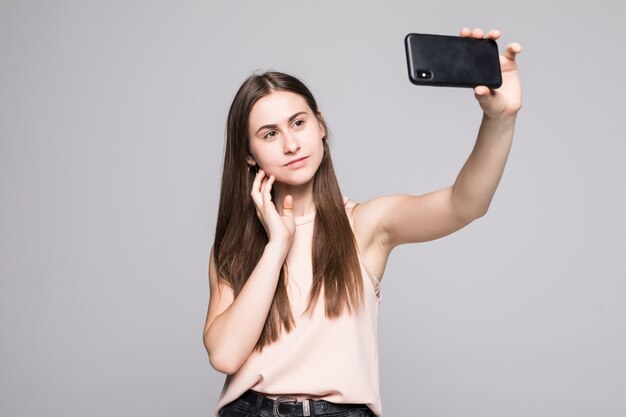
column 256, row 195
column 478, row 33
column 512, row 50
column 256, row 184
column 494, row 34
column 256, row 198
column 288, row 206
column 257, row 179
column 465, row 32
column 267, row 196
column 482, row 93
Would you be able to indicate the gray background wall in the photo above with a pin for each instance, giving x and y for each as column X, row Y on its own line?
column 112, row 122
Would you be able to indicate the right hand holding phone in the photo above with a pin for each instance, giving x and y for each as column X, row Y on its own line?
column 279, row 228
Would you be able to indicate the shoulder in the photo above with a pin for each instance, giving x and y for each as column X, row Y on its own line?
column 367, row 221
column 349, row 203
column 375, row 210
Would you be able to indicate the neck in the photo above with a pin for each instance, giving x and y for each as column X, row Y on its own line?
column 302, row 198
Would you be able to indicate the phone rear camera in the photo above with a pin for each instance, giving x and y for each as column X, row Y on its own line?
column 423, row 74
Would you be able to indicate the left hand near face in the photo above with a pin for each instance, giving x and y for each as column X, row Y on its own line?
column 505, row 101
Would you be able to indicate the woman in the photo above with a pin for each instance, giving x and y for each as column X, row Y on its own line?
column 295, row 266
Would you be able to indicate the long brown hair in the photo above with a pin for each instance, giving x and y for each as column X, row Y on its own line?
column 240, row 237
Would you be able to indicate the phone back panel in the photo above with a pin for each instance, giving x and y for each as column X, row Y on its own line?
column 452, row 61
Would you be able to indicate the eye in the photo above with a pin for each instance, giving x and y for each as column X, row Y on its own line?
column 270, row 134
column 298, row 123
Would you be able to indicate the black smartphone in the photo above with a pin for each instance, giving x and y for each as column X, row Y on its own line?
column 452, row 61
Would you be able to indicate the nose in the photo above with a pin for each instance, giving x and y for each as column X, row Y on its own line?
column 291, row 143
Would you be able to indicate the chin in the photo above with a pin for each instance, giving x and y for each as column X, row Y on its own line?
column 294, row 182
column 296, row 179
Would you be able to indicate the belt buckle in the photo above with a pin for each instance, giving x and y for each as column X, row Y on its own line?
column 293, row 400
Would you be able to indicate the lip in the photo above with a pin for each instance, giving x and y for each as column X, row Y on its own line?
column 295, row 161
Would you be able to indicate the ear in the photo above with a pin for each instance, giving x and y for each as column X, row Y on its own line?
column 319, row 121
column 250, row 160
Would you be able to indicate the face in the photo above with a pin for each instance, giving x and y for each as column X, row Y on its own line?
column 285, row 138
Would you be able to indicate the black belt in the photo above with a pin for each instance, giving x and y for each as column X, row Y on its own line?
column 291, row 407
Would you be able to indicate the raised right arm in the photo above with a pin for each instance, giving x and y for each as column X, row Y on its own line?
column 234, row 325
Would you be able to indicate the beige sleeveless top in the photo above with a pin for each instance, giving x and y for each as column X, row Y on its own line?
column 331, row 359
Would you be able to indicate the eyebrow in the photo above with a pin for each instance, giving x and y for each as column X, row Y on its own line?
column 273, row 126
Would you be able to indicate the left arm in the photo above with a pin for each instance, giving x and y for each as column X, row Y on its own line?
column 400, row 219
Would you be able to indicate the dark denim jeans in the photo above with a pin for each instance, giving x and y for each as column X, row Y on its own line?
column 244, row 408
